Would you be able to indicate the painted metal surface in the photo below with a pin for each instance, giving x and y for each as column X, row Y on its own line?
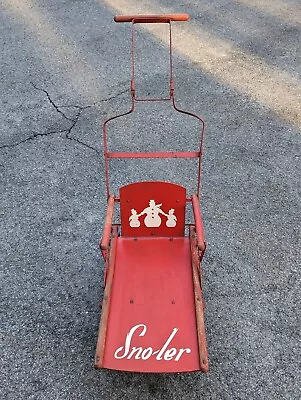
column 105, row 240
column 108, row 154
column 152, row 290
column 198, row 299
column 102, row 334
column 154, row 154
column 198, row 223
column 152, row 209
column 151, row 18
column 153, row 311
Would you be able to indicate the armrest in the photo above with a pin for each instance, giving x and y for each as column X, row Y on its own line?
column 104, row 242
column 198, row 223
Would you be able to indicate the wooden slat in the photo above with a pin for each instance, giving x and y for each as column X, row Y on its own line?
column 104, row 243
column 106, row 303
column 199, row 305
column 198, row 222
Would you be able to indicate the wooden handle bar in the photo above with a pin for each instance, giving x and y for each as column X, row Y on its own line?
column 146, row 19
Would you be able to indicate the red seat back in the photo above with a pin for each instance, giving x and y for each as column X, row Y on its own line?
column 152, row 209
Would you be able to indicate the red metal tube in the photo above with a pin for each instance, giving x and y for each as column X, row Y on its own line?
column 104, row 243
column 198, row 222
column 154, row 154
column 146, row 19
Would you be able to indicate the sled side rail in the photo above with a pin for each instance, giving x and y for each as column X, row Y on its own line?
column 105, row 239
column 106, row 303
column 198, row 223
column 199, row 303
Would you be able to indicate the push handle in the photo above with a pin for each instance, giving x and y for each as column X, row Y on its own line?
column 149, row 19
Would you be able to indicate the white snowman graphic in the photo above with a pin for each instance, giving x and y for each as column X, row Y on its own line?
column 152, row 216
column 171, row 219
column 134, row 220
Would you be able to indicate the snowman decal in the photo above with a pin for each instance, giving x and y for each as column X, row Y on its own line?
column 152, row 216
column 134, row 220
column 171, row 219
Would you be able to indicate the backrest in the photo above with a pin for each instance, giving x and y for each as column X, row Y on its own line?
column 152, row 209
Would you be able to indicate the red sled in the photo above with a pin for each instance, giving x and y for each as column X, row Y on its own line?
column 152, row 317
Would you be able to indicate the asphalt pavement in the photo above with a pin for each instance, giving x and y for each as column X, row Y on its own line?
column 64, row 68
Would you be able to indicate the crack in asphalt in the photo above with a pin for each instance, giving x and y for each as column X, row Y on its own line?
column 73, row 121
column 51, row 101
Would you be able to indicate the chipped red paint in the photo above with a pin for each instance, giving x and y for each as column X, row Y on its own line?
column 153, row 311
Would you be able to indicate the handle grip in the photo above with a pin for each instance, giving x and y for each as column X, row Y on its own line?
column 149, row 19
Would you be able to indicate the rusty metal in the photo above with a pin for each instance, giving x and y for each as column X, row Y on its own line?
column 106, row 302
column 154, row 154
column 198, row 222
column 151, row 267
column 146, row 19
column 111, row 154
column 105, row 240
column 199, row 305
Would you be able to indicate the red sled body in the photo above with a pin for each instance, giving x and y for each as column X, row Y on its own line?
column 152, row 317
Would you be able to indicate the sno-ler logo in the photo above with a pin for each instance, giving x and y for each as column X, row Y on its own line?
column 139, row 353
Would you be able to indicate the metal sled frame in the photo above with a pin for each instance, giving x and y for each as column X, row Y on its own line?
column 152, row 316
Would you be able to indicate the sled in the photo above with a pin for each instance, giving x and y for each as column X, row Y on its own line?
column 152, row 317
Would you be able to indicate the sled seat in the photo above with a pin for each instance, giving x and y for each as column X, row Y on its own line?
column 165, row 200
